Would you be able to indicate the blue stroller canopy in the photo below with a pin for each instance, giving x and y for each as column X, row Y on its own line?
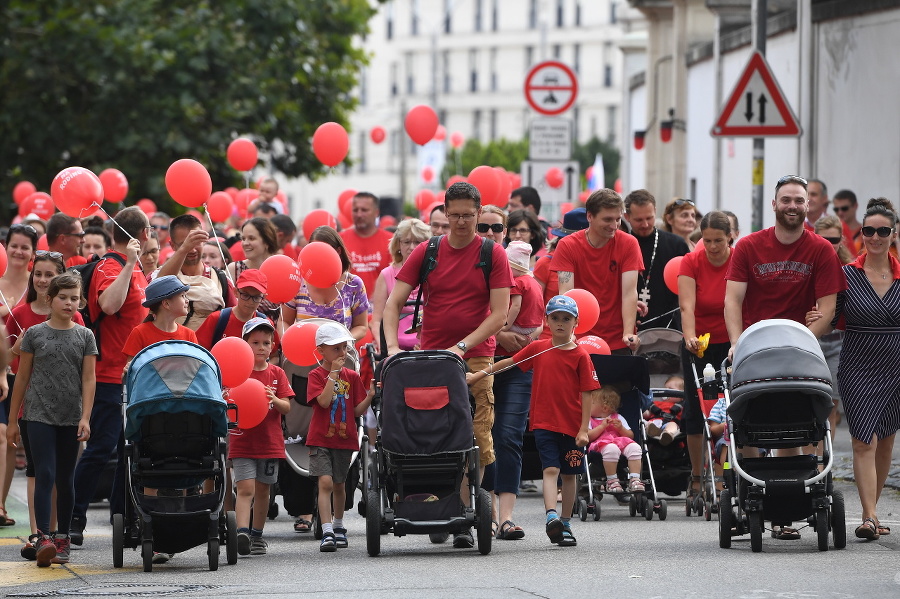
column 171, row 377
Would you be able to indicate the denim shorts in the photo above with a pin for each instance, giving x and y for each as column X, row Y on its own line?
column 558, row 450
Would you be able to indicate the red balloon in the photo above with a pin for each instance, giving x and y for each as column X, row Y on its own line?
column 330, row 143
column 377, row 134
column 115, row 185
column 299, row 343
column 588, row 309
column 565, row 207
column 315, row 219
column 242, row 154
column 421, row 123
column 428, row 174
column 505, row 187
column 147, row 206
column 440, row 134
column 457, row 139
column 235, row 358
column 488, row 183
column 75, row 190
column 617, row 186
column 424, row 199
column 3, row 260
column 589, row 172
column 595, row 345
column 219, row 206
column 237, row 252
column 42, row 243
column 188, row 182
column 252, row 403
column 22, row 190
column 670, row 274
column 320, row 264
column 232, row 191
column 345, row 202
column 345, row 221
column 583, row 196
column 283, row 275
column 243, row 199
column 515, row 180
column 456, row 179
column 387, row 221
column 554, row 177
column 38, row 203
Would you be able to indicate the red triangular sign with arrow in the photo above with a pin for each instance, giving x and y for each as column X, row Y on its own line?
column 757, row 106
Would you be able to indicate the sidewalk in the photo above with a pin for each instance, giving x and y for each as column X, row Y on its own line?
column 843, row 458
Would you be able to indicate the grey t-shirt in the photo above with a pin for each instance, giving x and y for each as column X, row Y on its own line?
column 54, row 392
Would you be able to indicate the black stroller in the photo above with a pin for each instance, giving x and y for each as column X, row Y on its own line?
column 780, row 397
column 175, row 426
column 424, row 449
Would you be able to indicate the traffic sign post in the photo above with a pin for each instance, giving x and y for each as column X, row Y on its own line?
column 551, row 88
column 534, row 175
column 550, row 139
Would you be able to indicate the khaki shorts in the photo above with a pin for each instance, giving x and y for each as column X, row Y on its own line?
column 483, row 392
column 324, row 461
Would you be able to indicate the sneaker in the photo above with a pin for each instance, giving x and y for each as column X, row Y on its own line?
column 554, row 528
column 528, row 486
column 340, row 538
column 614, row 486
column 463, row 540
column 161, row 558
column 244, row 543
column 653, row 430
column 567, row 539
column 635, row 485
column 76, row 531
column 258, row 546
column 45, row 551
column 29, row 551
column 62, row 544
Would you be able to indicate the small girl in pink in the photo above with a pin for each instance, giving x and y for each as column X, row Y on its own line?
column 611, row 437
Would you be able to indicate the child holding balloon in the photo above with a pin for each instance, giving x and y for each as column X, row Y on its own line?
column 255, row 451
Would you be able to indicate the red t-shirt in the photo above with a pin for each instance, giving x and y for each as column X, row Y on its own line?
column 599, row 270
column 233, row 328
column 76, row 260
column 784, row 281
column 368, row 255
column 291, row 251
column 115, row 328
column 455, row 299
column 351, row 387
column 709, row 305
column 560, row 376
column 23, row 318
column 147, row 333
column 531, row 314
column 266, row 439
column 166, row 252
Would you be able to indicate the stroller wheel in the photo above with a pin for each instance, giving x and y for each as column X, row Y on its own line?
column 688, row 507
column 725, row 520
column 756, row 529
column 118, row 540
column 838, row 520
column 212, row 552
column 231, row 552
column 663, row 509
column 648, row 508
column 147, row 554
column 438, row 537
column 582, row 509
column 632, row 507
column 373, row 523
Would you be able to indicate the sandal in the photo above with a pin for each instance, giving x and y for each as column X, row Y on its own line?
column 882, row 530
column 785, row 533
column 868, row 530
column 328, row 543
column 510, row 532
column 495, row 528
column 302, row 525
column 5, row 520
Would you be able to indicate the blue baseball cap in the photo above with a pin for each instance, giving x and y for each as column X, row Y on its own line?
column 162, row 288
column 562, row 303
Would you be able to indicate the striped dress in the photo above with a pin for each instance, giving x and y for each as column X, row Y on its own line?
column 869, row 371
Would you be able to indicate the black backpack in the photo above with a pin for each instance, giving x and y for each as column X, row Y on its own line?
column 222, row 322
column 86, row 272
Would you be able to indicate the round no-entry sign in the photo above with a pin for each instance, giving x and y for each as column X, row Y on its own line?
column 551, row 87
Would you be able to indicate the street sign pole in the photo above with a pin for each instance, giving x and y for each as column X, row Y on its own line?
column 758, row 20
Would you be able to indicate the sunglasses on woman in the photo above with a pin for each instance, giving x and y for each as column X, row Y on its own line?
column 882, row 231
column 831, row 240
column 484, row 227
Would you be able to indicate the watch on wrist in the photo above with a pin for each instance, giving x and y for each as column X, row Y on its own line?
column 462, row 345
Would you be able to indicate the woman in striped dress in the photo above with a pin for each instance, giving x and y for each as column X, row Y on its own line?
column 868, row 376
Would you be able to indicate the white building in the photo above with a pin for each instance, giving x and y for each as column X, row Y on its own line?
column 468, row 59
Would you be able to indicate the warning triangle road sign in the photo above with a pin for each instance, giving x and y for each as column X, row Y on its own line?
column 757, row 106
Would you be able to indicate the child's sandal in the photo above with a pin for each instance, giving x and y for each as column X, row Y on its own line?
column 328, row 544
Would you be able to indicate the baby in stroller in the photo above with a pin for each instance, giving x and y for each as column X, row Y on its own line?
column 664, row 414
column 610, row 438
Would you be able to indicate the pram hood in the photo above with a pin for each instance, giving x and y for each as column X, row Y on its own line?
column 171, row 377
column 425, row 405
column 782, row 356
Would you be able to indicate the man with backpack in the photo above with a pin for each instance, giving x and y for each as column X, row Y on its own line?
column 210, row 289
column 115, row 293
column 462, row 310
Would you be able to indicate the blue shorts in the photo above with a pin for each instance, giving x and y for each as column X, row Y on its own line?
column 558, row 450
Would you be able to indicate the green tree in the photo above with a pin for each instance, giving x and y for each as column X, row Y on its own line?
column 138, row 84
column 503, row 153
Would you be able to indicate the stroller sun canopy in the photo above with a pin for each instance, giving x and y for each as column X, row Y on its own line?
column 171, row 377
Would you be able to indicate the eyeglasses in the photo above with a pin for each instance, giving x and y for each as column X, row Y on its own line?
column 882, row 231
column 250, row 298
column 842, row 208
column 48, row 254
column 683, row 202
column 519, row 231
column 791, row 179
column 81, row 234
column 160, row 227
column 484, row 227
column 831, row 240
column 462, row 217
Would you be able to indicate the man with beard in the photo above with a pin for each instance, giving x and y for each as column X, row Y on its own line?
column 209, row 289
column 366, row 243
column 657, row 248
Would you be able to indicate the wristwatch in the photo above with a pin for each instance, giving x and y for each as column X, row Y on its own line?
column 462, row 345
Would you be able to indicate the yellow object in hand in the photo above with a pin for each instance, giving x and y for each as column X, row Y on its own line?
column 702, row 344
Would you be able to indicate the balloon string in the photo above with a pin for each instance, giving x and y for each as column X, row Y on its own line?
column 109, row 216
column 212, row 227
column 493, row 372
column 11, row 315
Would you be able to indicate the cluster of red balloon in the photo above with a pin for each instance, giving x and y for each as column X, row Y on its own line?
column 494, row 183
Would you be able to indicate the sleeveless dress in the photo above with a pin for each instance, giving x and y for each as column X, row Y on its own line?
column 868, row 373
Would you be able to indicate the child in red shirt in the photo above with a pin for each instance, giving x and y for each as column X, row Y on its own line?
column 338, row 397
column 560, row 408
